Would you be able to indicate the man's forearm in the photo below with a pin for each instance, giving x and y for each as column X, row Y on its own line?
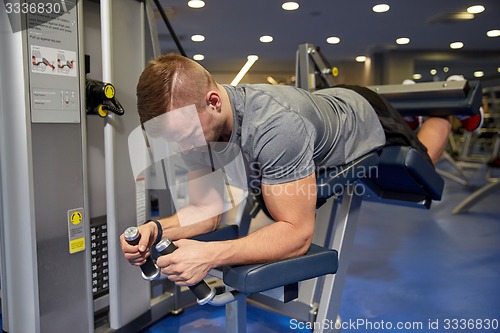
column 174, row 229
column 277, row 241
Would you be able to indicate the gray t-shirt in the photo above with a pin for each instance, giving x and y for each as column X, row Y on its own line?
column 287, row 133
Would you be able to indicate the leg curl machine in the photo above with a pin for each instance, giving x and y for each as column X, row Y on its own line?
column 402, row 176
column 417, row 185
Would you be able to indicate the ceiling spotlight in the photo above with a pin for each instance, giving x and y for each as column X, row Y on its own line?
column 381, row 8
column 478, row 74
column 333, row 40
column 197, row 38
column 475, row 9
column 198, row 57
column 290, row 5
column 433, row 71
column 446, row 69
column 266, row 39
column 196, row 3
column 402, row 41
column 456, row 45
column 360, row 58
column 417, row 76
column 493, row 33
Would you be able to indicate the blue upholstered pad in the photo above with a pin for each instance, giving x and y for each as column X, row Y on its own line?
column 404, row 170
column 250, row 279
column 395, row 172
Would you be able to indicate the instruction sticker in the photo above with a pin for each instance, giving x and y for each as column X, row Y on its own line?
column 76, row 230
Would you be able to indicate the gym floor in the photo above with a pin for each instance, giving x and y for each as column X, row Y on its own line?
column 427, row 270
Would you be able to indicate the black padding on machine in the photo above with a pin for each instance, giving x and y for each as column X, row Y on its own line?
column 405, row 174
column 250, row 279
column 226, row 232
column 434, row 98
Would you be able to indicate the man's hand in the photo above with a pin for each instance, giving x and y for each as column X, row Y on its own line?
column 187, row 265
column 137, row 254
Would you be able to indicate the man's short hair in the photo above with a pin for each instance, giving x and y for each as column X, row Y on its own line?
column 171, row 80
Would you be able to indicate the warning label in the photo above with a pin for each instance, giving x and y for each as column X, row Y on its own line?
column 76, row 230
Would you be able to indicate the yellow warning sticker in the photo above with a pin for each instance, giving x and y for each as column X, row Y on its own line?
column 77, row 245
column 76, row 230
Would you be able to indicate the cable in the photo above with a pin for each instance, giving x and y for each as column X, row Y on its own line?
column 170, row 28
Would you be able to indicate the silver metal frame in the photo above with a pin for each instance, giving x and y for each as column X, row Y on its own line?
column 20, row 306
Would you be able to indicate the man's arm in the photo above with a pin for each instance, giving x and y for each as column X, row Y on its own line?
column 201, row 215
column 292, row 205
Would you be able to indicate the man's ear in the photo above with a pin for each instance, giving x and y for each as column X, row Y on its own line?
column 213, row 99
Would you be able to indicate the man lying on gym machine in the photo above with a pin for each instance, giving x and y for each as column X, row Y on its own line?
column 288, row 133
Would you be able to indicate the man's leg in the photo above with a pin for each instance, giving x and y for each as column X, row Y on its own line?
column 434, row 136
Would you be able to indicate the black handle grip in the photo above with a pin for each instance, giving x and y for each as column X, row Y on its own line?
column 149, row 269
column 201, row 290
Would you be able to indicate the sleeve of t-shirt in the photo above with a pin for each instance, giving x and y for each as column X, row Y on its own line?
column 284, row 148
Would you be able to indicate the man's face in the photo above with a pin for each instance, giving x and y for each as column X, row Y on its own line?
column 182, row 126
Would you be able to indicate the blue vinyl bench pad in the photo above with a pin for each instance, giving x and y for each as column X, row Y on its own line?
column 250, row 279
column 400, row 170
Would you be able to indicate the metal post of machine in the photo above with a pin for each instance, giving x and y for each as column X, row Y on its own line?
column 123, row 59
column 20, row 307
column 44, row 236
column 311, row 69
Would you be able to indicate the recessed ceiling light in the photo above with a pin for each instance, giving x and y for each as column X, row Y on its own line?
column 381, row 8
column 498, row 69
column 196, row 3
column 456, row 45
column 266, row 39
column 433, row 71
column 198, row 57
column 478, row 74
column 333, row 40
column 493, row 33
column 417, row 76
column 475, row 9
column 403, row 41
column 361, row 58
column 291, row 5
column 446, row 69
column 197, row 38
